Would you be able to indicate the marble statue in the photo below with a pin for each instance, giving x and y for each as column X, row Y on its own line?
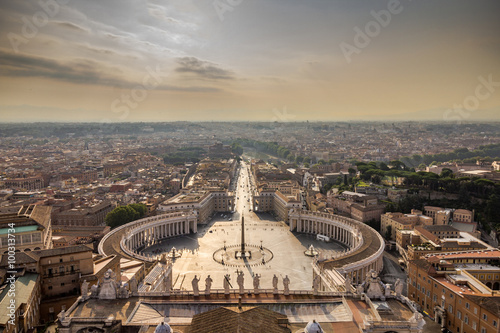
column 256, row 283
column 85, row 289
column 286, row 284
column 398, row 287
column 109, row 286
column 208, row 285
column 347, row 283
column 360, row 289
column 387, row 289
column 275, row 284
column 133, row 285
column 194, row 283
column 94, row 291
column 227, row 283
column 241, row 279
column 375, row 286
column 123, row 291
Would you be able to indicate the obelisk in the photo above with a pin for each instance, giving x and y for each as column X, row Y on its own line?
column 242, row 236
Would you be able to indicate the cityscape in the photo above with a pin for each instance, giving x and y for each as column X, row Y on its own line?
column 235, row 166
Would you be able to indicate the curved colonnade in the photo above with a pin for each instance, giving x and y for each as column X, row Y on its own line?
column 366, row 246
column 148, row 231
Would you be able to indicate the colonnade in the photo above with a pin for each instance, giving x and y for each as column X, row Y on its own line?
column 366, row 246
column 149, row 230
column 342, row 233
column 146, row 235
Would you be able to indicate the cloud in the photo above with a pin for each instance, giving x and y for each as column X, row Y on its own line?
column 203, row 69
column 79, row 71
column 72, row 26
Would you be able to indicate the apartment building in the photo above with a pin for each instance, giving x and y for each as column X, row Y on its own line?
column 31, row 226
column 460, row 291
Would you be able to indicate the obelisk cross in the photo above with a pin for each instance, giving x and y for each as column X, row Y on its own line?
column 242, row 235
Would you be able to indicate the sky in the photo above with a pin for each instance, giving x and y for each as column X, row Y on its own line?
column 232, row 60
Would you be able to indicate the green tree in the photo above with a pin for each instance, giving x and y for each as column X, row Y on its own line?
column 388, row 232
column 125, row 214
column 141, row 208
column 492, row 211
column 446, row 173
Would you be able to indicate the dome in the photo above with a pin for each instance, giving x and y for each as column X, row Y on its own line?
column 313, row 327
column 163, row 328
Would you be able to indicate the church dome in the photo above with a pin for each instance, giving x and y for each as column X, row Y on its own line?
column 313, row 327
column 163, row 328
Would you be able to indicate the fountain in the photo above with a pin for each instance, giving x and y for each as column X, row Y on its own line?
column 173, row 254
column 311, row 251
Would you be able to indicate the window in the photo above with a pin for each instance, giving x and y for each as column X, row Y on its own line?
column 475, row 310
column 467, row 306
column 450, row 309
column 495, row 323
column 459, row 315
column 466, row 319
column 483, row 330
column 474, row 325
column 62, row 284
column 50, row 288
column 434, row 298
column 485, row 317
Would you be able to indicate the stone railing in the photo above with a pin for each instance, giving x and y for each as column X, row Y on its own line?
column 176, row 292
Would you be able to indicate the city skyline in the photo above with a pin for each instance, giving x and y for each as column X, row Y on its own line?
column 250, row 61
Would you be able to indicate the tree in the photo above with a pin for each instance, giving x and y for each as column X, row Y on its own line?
column 125, row 214
column 383, row 166
column 492, row 213
column 446, row 173
column 141, row 208
column 398, row 165
column 388, row 232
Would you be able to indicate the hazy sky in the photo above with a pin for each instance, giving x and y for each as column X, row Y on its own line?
column 285, row 60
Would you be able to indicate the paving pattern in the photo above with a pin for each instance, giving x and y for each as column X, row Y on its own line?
column 288, row 253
